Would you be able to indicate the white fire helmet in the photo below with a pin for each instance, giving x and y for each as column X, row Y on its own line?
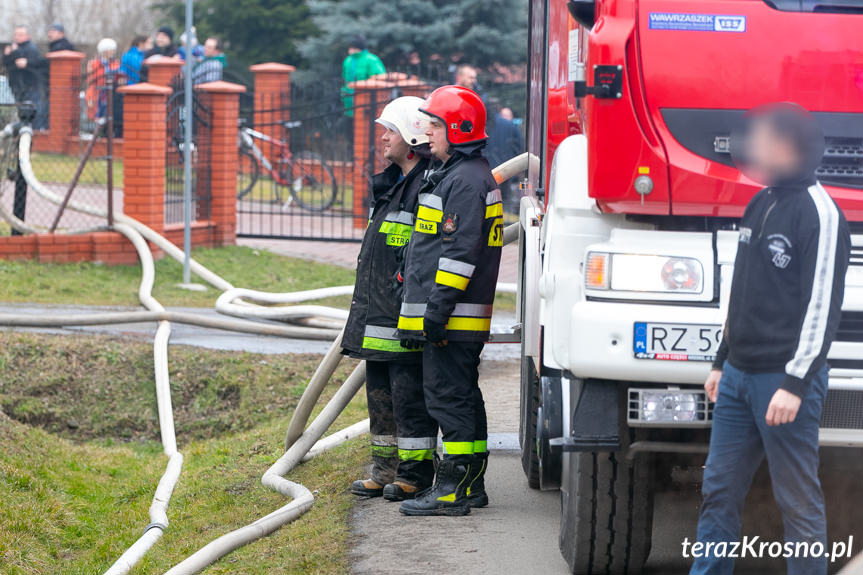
column 402, row 115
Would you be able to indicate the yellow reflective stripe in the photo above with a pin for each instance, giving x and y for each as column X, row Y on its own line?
column 425, row 227
column 384, row 450
column 448, row 498
column 430, row 214
column 396, row 228
column 493, row 211
column 458, row 447
column 480, row 446
column 451, row 280
column 416, row 454
column 411, row 323
column 469, row 323
column 379, row 344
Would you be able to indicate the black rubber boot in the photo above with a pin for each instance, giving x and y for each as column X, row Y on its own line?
column 476, row 495
column 448, row 494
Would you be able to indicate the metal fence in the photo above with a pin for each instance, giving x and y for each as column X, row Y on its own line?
column 307, row 156
column 174, row 157
column 58, row 173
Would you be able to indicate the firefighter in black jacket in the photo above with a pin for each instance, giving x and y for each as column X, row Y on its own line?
column 451, row 272
column 403, row 436
column 770, row 377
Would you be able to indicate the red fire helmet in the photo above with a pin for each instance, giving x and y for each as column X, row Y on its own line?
column 461, row 110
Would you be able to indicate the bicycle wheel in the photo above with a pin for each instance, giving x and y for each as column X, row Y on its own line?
column 247, row 175
column 312, row 181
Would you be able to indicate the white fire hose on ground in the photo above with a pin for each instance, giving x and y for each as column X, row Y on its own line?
column 319, row 322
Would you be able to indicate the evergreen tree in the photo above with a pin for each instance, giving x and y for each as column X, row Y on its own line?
column 253, row 31
column 444, row 31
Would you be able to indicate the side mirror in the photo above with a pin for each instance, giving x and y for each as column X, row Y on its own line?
column 583, row 11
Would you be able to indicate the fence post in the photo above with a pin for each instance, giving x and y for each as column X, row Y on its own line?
column 163, row 70
column 64, row 85
column 144, row 147
column 272, row 99
column 223, row 100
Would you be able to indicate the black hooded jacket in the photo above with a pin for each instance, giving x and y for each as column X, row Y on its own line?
column 788, row 284
column 370, row 331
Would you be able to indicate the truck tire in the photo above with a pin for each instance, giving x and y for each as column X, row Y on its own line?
column 528, row 405
column 606, row 511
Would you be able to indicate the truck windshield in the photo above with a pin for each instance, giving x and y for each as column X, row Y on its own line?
column 823, row 6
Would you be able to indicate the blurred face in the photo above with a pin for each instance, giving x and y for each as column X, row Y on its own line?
column 211, row 47
column 506, row 114
column 353, row 50
column 162, row 40
column 54, row 34
column 396, row 150
column 769, row 156
column 438, row 144
column 466, row 77
column 21, row 35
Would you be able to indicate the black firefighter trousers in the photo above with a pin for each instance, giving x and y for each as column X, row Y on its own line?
column 401, row 428
column 453, row 397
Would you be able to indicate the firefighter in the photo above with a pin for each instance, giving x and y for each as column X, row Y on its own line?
column 451, row 270
column 402, row 439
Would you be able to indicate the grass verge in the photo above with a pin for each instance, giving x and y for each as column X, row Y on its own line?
column 81, row 457
column 93, row 284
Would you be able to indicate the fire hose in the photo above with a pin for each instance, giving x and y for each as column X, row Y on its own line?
column 317, row 322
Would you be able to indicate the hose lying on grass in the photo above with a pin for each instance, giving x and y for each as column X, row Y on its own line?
column 317, row 322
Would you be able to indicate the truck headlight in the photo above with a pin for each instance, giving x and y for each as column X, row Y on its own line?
column 644, row 273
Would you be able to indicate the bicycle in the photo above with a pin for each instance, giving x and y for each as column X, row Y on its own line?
column 309, row 178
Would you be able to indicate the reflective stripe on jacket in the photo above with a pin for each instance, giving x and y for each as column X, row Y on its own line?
column 453, row 259
column 370, row 331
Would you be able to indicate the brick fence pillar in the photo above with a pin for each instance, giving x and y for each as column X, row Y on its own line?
column 272, row 100
column 64, row 85
column 223, row 100
column 162, row 71
column 144, row 148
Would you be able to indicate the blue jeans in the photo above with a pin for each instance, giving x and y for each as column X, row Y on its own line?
column 739, row 441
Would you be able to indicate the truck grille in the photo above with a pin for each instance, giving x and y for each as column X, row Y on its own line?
column 706, row 134
column 843, row 163
column 843, row 409
column 851, row 327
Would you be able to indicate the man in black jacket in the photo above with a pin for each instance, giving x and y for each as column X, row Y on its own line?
column 450, row 278
column 26, row 69
column 403, row 435
column 770, row 376
column 57, row 39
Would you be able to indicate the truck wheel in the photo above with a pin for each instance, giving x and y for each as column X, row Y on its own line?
column 528, row 405
column 606, row 511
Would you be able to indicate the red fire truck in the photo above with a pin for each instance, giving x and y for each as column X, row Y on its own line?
column 629, row 237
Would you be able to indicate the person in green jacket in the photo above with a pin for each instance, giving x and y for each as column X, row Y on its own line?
column 360, row 64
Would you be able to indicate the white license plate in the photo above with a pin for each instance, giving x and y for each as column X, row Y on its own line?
column 676, row 341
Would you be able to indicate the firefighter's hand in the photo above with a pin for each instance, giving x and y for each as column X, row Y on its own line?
column 711, row 386
column 410, row 343
column 783, row 407
column 435, row 333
